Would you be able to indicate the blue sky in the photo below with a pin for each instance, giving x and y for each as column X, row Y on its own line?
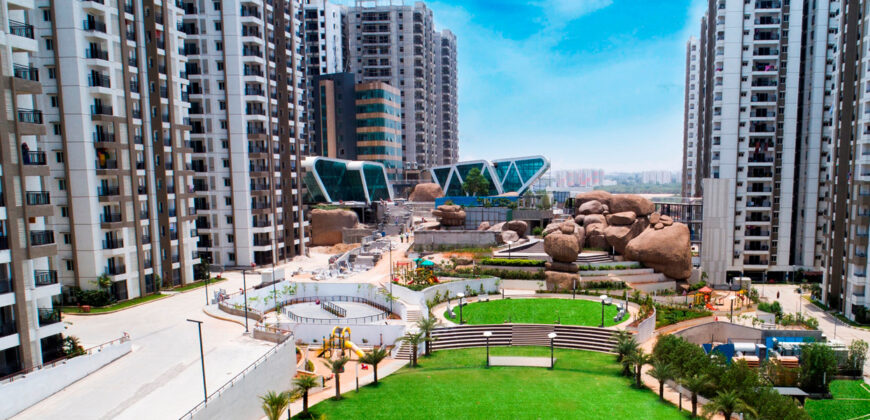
column 587, row 83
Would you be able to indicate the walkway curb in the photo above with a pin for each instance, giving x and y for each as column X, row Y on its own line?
column 165, row 296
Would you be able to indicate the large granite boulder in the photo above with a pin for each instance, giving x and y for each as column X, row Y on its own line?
column 509, row 236
column 578, row 219
column 450, row 215
column 483, row 226
column 560, row 280
column 326, row 225
column 602, row 197
column 625, row 218
column 561, row 266
column 591, row 207
column 631, row 202
column 498, row 227
column 518, row 226
column 619, row 236
column 596, row 238
column 562, row 246
column 593, row 219
column 552, row 227
column 426, row 192
column 665, row 250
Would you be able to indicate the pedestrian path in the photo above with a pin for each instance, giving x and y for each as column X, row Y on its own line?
column 519, row 361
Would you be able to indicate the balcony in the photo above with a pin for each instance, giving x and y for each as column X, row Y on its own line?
column 4, row 242
column 97, row 54
column 5, row 285
column 41, row 237
column 99, row 80
column 106, row 164
column 37, row 198
column 101, row 110
column 26, row 72
column 29, row 116
column 113, row 243
column 108, row 190
column 93, row 25
column 110, row 217
column 20, row 29
column 114, row 270
column 48, row 316
column 104, row 137
column 44, row 277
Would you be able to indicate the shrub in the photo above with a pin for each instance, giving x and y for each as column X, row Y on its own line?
column 512, row 262
column 697, row 286
column 774, row 308
column 493, row 272
column 587, row 267
column 92, row 297
column 537, row 231
column 818, row 367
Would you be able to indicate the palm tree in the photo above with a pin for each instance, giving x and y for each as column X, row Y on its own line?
column 303, row 384
column 377, row 355
column 625, row 346
column 638, row 359
column 695, row 384
column 336, row 366
column 663, row 372
column 727, row 402
column 275, row 403
column 413, row 339
column 426, row 325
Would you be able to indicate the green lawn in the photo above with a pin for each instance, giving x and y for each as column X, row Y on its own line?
column 194, row 285
column 536, row 311
column 115, row 307
column 453, row 384
column 851, row 400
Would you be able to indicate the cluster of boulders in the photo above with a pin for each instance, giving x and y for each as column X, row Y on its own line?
column 326, row 225
column 426, row 192
column 511, row 231
column 450, row 215
column 563, row 244
column 629, row 224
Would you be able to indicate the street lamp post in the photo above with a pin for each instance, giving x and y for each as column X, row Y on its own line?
column 460, row 296
column 245, row 297
column 391, row 277
column 603, row 300
column 509, row 243
column 201, row 359
column 275, row 294
column 487, row 334
column 552, row 337
column 574, row 289
column 731, row 316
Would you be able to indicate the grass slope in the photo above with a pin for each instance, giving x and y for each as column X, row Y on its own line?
column 453, row 384
column 851, row 400
column 537, row 311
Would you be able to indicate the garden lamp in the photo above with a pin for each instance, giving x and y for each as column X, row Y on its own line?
column 552, row 337
column 487, row 334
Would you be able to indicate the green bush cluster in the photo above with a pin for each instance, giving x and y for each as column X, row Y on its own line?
column 512, row 262
column 537, row 231
column 697, row 286
column 493, row 272
column 667, row 315
column 92, row 297
column 774, row 308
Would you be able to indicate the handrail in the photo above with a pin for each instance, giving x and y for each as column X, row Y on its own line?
column 234, row 379
column 12, row 377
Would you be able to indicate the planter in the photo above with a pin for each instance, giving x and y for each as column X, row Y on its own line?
column 86, row 308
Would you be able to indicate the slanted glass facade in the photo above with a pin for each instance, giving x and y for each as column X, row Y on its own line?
column 504, row 175
column 378, row 126
column 330, row 180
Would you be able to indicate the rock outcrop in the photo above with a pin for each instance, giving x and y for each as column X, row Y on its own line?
column 426, row 192
column 591, row 207
column 326, row 225
column 518, row 226
column 563, row 245
column 450, row 215
column 602, row 197
column 666, row 250
column 630, row 202
column 621, row 219
column 483, row 226
column 509, row 236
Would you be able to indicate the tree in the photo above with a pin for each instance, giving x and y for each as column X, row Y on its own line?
column 275, row 403
column 695, row 384
column 303, row 384
column 413, row 339
column 475, row 183
column 726, row 402
column 336, row 367
column 818, row 367
column 626, row 345
column 104, row 281
column 377, row 355
column 638, row 359
column 663, row 372
column 857, row 355
column 426, row 325
column 545, row 202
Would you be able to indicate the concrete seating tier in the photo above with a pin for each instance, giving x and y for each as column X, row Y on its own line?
column 589, row 258
column 567, row 336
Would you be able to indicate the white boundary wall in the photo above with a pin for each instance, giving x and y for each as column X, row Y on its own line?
column 41, row 384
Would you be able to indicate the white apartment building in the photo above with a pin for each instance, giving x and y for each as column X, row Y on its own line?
column 247, row 97
column 691, row 119
column 325, row 43
column 398, row 45
column 117, row 143
column 30, row 327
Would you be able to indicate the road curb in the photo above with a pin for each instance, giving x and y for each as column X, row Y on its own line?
column 165, row 296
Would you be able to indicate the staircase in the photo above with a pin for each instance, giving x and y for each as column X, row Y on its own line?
column 414, row 314
column 589, row 258
column 404, row 352
column 567, row 336
column 530, row 335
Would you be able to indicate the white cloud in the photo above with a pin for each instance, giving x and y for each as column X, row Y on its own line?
column 559, row 12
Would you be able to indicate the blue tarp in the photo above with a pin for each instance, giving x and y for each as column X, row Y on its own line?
column 465, row 201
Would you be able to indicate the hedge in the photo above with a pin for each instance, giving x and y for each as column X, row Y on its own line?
column 512, row 262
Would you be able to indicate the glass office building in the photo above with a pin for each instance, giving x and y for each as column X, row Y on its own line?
column 504, row 175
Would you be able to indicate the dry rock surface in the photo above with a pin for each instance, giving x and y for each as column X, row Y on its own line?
column 450, row 215
column 426, row 192
column 326, row 225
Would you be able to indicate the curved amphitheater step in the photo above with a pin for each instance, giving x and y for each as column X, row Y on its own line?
column 567, row 336
column 588, row 258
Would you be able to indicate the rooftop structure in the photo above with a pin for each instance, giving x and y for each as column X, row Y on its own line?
column 336, row 180
column 504, row 175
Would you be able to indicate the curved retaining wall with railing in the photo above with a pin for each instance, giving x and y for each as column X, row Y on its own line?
column 567, row 336
column 385, row 311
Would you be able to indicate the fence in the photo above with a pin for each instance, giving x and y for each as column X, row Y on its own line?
column 333, row 309
column 91, row 350
column 342, row 319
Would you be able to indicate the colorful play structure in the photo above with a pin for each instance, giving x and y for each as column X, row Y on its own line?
column 337, row 342
column 708, row 298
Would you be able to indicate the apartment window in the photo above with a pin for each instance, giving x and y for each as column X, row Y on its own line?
column 53, row 100
column 222, row 105
column 69, row 265
column 231, row 256
column 66, row 239
column 58, row 156
column 56, row 128
column 49, row 44
column 52, row 73
column 222, row 86
column 220, row 66
column 217, row 5
column 220, row 47
column 229, row 220
column 64, row 211
column 46, row 15
column 226, row 182
column 225, row 144
column 226, row 163
column 228, row 201
column 223, row 124
column 61, row 184
column 230, row 238
column 218, row 26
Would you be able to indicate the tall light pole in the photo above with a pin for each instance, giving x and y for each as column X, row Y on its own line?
column 603, row 299
column 460, row 296
column 245, row 297
column 487, row 334
column 552, row 337
column 510, row 243
column 201, row 359
column 391, row 277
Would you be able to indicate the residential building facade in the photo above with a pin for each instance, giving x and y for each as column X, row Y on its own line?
column 691, row 120
column 378, row 126
column 333, row 116
column 247, row 110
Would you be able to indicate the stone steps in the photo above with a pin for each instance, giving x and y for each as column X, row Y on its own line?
column 567, row 336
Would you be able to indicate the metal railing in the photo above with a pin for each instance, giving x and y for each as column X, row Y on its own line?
column 333, row 309
column 20, row 29
column 30, row 116
column 26, row 72
column 37, row 198
column 48, row 316
column 41, row 237
column 44, row 277
column 91, row 350
column 385, row 311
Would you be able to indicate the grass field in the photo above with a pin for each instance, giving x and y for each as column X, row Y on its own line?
column 194, row 285
column 453, row 384
column 537, row 311
column 851, row 401
column 116, row 306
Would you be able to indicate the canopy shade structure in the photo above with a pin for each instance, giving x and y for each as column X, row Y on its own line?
column 331, row 180
column 504, row 175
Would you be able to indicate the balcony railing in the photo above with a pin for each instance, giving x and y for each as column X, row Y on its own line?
column 94, row 25
column 101, row 110
column 37, row 198
column 5, row 285
column 113, row 243
column 110, row 217
column 26, row 72
column 104, row 137
column 4, row 242
column 99, row 80
column 30, row 116
column 41, row 237
column 48, row 316
column 8, row 328
column 114, row 270
column 20, row 29
column 97, row 54
column 108, row 190
column 44, row 277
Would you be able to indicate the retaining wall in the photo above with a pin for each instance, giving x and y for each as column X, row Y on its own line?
column 425, row 240
column 375, row 335
column 36, row 386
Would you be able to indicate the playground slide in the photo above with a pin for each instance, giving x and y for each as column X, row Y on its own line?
column 710, row 307
column 350, row 345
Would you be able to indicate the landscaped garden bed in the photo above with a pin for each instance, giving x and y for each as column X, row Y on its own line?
column 454, row 384
column 538, row 311
column 851, row 401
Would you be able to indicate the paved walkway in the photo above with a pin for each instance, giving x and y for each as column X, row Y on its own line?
column 520, row 361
